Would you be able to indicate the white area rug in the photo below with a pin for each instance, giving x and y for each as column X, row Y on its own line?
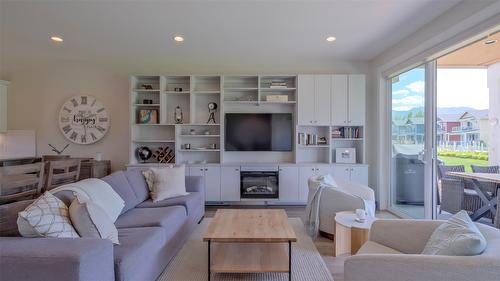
column 191, row 262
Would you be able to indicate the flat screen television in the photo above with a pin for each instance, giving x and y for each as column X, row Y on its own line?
column 258, row 132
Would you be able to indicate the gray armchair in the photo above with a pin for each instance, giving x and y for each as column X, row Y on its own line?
column 393, row 254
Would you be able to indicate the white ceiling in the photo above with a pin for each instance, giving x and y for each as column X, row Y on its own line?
column 215, row 31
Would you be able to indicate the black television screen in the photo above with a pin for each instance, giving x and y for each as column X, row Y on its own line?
column 258, row 132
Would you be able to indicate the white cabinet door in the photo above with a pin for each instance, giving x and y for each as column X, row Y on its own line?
column 198, row 171
column 289, row 183
column 305, row 173
column 342, row 172
column 323, row 93
column 339, row 100
column 230, row 183
column 359, row 174
column 306, row 99
column 357, row 96
column 212, row 183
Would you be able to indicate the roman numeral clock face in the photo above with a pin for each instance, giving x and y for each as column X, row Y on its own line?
column 83, row 120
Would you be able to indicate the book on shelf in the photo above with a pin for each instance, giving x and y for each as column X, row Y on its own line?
column 346, row 133
column 278, row 85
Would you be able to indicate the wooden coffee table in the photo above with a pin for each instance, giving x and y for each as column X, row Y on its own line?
column 250, row 241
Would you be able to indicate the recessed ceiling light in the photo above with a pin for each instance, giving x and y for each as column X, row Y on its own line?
column 490, row 41
column 330, row 38
column 178, row 38
column 56, row 39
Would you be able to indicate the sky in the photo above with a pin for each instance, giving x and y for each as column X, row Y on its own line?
column 455, row 88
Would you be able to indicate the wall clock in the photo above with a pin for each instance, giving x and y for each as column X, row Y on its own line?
column 83, row 120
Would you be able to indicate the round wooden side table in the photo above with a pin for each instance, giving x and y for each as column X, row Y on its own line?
column 350, row 235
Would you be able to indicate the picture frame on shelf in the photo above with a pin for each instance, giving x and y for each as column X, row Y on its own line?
column 148, row 116
column 345, row 155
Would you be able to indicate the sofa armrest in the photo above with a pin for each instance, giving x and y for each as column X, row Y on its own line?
column 391, row 267
column 194, row 184
column 54, row 259
column 406, row 236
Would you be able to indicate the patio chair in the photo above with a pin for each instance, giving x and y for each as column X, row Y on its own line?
column 457, row 194
column 444, row 169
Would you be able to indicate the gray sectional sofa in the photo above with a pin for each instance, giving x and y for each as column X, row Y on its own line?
column 150, row 235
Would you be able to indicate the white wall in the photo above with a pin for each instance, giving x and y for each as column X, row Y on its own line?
column 458, row 24
column 39, row 88
column 494, row 113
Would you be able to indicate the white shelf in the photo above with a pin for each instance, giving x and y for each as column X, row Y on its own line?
column 201, row 136
column 347, row 139
column 138, row 124
column 199, row 150
column 146, row 90
column 278, row 102
column 154, row 141
column 314, row 146
column 176, row 93
column 278, row 89
column 241, row 101
column 198, row 124
column 241, row 89
column 206, row 92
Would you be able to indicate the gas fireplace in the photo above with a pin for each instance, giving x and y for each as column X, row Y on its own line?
column 259, row 184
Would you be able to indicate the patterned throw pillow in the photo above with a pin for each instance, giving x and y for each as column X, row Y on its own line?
column 47, row 216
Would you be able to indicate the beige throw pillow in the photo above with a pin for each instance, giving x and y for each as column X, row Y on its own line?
column 459, row 236
column 168, row 183
column 90, row 220
column 47, row 216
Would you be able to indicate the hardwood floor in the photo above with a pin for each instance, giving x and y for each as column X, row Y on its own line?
column 325, row 246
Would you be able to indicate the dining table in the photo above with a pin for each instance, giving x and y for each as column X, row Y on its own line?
column 477, row 179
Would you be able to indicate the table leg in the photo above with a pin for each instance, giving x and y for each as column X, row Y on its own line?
column 490, row 204
column 289, row 260
column 209, row 260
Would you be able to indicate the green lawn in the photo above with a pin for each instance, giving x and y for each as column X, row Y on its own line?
column 463, row 161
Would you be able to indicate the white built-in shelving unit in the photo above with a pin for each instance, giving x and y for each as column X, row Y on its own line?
column 320, row 104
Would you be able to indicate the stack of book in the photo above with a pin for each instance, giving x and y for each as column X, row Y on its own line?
column 336, row 134
column 350, row 132
column 278, row 85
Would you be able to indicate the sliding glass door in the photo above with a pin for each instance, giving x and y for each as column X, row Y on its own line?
column 411, row 170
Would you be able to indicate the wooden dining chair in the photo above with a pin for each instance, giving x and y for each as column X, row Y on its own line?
column 62, row 172
column 21, row 182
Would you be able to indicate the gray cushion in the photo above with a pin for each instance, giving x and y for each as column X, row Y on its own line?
column 8, row 217
column 138, row 183
column 458, row 236
column 191, row 202
column 139, row 255
column 91, row 221
column 121, row 185
column 170, row 219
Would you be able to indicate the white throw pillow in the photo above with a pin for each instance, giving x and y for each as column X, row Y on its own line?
column 459, row 236
column 47, row 216
column 90, row 220
column 168, row 183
